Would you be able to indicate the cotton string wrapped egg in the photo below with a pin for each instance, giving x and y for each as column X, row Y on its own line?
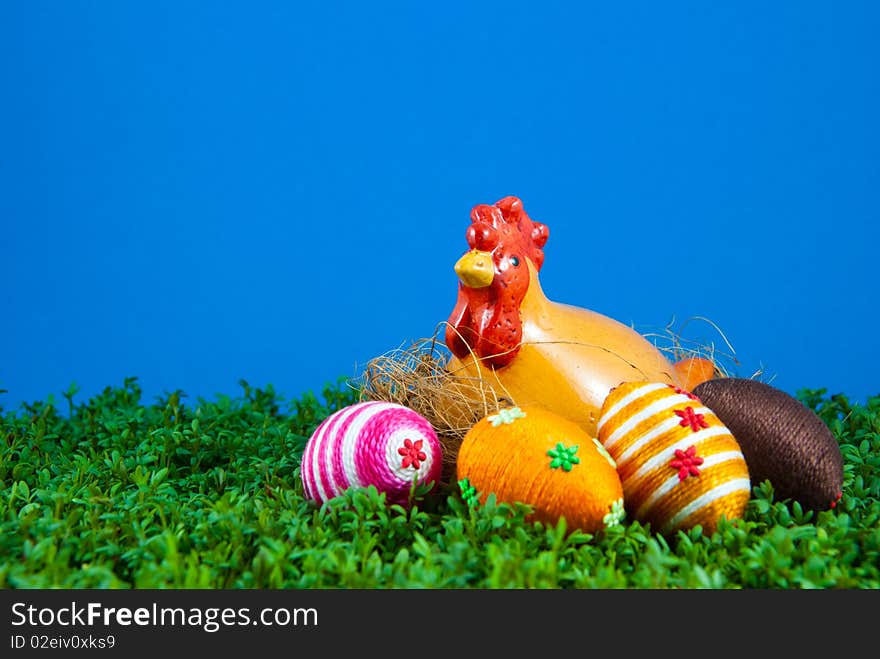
column 534, row 456
column 372, row 443
column 783, row 440
column 679, row 464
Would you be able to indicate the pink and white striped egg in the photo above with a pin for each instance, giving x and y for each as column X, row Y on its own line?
column 371, row 443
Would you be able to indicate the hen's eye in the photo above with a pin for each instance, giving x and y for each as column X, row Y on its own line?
column 514, row 260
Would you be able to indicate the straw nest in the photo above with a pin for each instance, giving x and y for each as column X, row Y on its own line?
column 417, row 377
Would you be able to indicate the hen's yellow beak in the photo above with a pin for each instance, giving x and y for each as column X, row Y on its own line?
column 475, row 269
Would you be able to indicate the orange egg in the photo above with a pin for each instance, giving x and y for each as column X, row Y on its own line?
column 537, row 457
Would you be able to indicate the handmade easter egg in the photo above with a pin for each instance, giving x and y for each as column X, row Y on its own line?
column 679, row 464
column 782, row 440
column 371, row 443
column 534, row 456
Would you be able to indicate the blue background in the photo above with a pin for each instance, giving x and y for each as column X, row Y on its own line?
column 194, row 193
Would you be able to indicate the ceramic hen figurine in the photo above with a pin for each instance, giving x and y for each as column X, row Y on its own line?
column 503, row 328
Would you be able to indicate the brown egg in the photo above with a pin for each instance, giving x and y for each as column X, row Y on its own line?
column 783, row 441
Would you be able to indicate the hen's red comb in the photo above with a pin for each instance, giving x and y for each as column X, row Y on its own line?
column 507, row 222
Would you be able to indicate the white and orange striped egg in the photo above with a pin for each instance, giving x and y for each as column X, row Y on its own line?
column 371, row 443
column 679, row 464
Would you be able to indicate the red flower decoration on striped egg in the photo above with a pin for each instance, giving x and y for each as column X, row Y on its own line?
column 687, row 462
column 691, row 418
column 681, row 391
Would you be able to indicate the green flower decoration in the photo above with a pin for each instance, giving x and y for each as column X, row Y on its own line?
column 604, row 452
column 563, row 456
column 615, row 515
column 508, row 415
column 468, row 492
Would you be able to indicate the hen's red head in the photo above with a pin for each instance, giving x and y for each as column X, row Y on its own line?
column 494, row 280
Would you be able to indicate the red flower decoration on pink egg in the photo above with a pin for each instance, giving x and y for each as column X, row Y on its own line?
column 412, row 453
